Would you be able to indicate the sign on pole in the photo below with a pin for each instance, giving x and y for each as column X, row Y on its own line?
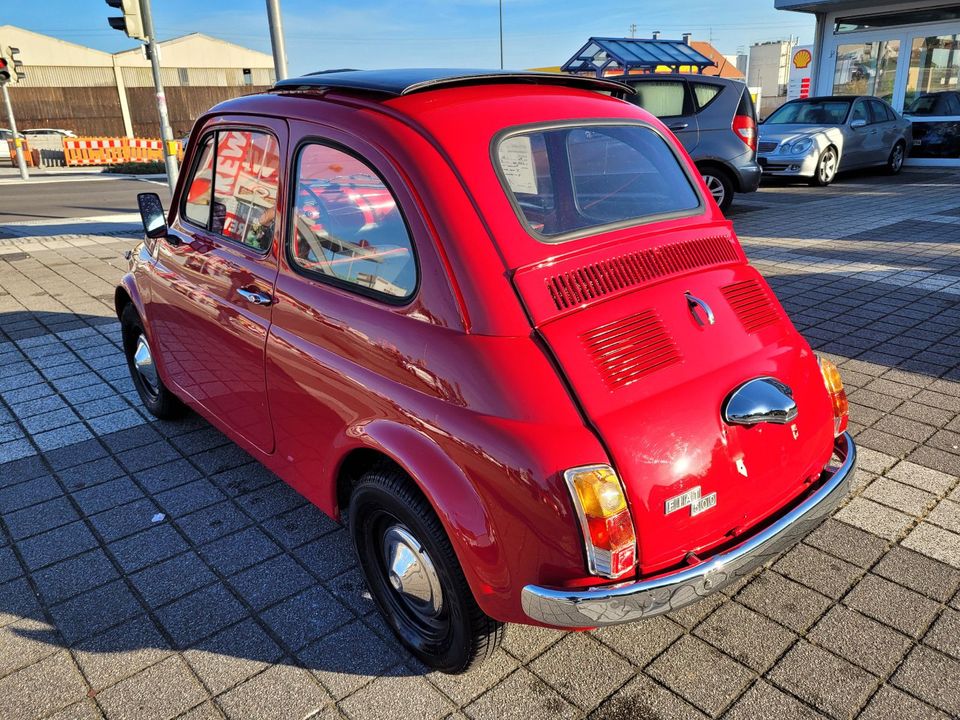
column 801, row 64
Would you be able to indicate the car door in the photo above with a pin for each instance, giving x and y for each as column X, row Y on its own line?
column 212, row 306
column 884, row 132
column 670, row 100
column 855, row 138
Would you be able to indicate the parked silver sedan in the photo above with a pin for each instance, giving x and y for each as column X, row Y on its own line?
column 818, row 137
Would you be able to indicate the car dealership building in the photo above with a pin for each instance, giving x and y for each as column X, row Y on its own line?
column 905, row 52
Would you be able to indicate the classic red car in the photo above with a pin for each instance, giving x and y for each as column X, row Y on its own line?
column 495, row 323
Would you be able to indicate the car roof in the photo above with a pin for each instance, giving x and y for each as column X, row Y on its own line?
column 406, row 81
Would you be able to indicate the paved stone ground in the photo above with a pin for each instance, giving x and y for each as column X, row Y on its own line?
column 152, row 570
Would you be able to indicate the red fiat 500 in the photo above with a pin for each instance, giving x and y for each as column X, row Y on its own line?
column 494, row 323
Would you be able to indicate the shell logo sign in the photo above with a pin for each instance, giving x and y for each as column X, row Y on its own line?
column 802, row 58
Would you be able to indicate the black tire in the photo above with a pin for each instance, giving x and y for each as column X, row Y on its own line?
column 155, row 396
column 720, row 185
column 459, row 635
column 897, row 156
column 827, row 165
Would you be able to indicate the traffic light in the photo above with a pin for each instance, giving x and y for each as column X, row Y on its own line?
column 4, row 71
column 131, row 22
column 18, row 73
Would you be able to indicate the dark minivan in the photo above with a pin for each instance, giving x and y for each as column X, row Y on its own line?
column 715, row 120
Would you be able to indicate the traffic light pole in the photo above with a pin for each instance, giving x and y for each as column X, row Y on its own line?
column 166, row 134
column 17, row 140
column 276, row 39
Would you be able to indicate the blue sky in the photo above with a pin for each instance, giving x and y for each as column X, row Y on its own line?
column 390, row 33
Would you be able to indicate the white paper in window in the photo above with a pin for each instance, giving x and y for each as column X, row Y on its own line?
column 516, row 163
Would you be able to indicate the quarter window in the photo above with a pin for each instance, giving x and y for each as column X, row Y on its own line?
column 705, row 93
column 197, row 204
column 347, row 226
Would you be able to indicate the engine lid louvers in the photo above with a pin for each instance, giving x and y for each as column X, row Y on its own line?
column 587, row 282
column 752, row 304
column 630, row 348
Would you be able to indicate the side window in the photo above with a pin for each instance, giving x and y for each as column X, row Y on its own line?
column 347, row 226
column 878, row 111
column 245, row 187
column 662, row 98
column 197, row 204
column 859, row 111
column 705, row 93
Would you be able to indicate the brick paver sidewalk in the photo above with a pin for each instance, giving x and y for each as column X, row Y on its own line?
column 152, row 570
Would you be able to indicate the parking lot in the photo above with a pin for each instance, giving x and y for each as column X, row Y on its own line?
column 153, row 570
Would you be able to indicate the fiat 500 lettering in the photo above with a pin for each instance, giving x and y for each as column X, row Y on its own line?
column 495, row 324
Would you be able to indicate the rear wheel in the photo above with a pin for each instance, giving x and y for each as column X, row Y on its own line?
column 719, row 184
column 826, row 168
column 895, row 161
column 414, row 576
column 155, row 396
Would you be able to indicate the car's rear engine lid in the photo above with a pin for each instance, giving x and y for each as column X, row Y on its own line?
column 654, row 366
column 557, row 287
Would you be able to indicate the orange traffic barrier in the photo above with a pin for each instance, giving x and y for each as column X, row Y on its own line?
column 109, row 151
column 145, row 150
column 95, row 150
column 27, row 155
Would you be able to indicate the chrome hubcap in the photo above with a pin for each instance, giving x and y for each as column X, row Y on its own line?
column 715, row 187
column 411, row 572
column 143, row 362
column 897, row 157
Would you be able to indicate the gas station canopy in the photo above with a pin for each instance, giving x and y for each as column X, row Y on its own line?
column 620, row 56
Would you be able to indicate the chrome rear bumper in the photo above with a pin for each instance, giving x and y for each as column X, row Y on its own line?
column 614, row 604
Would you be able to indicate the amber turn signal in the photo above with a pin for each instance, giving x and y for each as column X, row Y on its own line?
column 605, row 521
column 838, row 396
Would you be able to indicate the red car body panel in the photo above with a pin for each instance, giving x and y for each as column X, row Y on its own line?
column 482, row 387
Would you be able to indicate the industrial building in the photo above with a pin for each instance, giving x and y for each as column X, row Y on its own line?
column 92, row 92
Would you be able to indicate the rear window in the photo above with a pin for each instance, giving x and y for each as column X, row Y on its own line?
column 571, row 179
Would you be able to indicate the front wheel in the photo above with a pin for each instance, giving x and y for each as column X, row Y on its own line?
column 414, row 577
column 895, row 161
column 826, row 168
column 155, row 396
column 720, row 186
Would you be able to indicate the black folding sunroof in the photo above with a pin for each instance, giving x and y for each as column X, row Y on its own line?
column 411, row 80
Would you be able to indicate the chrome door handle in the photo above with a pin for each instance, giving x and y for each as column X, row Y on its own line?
column 255, row 296
column 679, row 126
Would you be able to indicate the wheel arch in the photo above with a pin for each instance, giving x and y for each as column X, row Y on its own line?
column 445, row 486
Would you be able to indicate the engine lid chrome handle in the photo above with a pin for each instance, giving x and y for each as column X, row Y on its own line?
column 763, row 399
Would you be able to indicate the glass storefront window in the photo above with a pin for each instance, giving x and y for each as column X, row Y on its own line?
column 867, row 69
column 933, row 89
column 934, row 66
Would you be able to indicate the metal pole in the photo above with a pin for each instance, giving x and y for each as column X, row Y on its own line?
column 17, row 140
column 276, row 39
column 501, row 34
column 166, row 134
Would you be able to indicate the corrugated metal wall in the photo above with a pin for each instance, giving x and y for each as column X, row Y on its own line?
column 196, row 77
column 51, row 76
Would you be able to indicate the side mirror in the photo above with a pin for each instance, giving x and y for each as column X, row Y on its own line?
column 858, row 123
column 151, row 213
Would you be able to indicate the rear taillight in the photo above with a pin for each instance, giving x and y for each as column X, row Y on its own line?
column 746, row 129
column 838, row 396
column 605, row 520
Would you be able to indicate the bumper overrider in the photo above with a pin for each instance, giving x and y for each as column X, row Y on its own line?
column 614, row 604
